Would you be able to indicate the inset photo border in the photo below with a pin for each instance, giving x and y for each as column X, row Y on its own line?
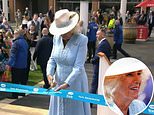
column 128, row 86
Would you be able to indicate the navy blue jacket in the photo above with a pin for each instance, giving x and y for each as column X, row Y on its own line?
column 92, row 29
column 18, row 54
column 118, row 34
column 43, row 50
column 103, row 47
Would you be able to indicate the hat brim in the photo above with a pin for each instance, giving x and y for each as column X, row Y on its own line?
column 125, row 65
column 54, row 30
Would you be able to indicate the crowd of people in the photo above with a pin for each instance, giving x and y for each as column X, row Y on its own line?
column 20, row 47
column 59, row 47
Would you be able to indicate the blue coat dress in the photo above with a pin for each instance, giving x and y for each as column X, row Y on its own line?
column 67, row 64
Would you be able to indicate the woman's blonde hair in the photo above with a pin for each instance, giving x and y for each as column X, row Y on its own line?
column 110, row 85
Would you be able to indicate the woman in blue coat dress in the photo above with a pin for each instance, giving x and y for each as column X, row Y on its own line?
column 65, row 68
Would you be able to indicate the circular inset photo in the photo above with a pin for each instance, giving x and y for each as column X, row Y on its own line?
column 128, row 86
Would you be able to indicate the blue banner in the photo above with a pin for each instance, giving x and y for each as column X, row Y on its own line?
column 150, row 109
column 80, row 96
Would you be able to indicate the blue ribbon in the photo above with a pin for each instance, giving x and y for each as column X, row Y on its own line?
column 80, row 96
column 150, row 109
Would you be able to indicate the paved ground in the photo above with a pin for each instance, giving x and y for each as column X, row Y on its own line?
column 37, row 104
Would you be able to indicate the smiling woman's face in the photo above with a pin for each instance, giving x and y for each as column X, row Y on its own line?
column 129, row 84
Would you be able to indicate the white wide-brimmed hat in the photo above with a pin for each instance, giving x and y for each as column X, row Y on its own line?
column 64, row 22
column 125, row 65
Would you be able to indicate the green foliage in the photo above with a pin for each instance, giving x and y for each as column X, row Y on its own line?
column 35, row 77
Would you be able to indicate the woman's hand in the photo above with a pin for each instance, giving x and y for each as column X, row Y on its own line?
column 51, row 81
column 63, row 86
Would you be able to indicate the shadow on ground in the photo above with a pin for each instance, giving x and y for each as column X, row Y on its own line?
column 31, row 100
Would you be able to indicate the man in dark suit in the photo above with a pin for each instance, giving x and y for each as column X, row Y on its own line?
column 43, row 52
column 103, row 47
